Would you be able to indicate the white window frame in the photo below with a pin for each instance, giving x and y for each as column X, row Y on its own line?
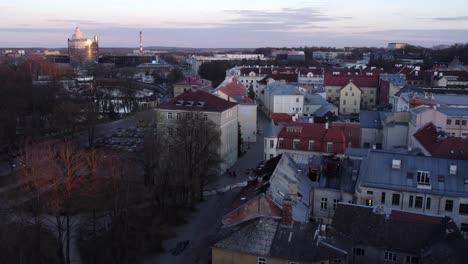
column 423, row 178
column 169, row 115
column 323, row 204
column 390, row 256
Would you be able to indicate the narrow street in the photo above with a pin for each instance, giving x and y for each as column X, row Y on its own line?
column 203, row 225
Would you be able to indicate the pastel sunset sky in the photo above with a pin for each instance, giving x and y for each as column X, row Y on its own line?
column 240, row 23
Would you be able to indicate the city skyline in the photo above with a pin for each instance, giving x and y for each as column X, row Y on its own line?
column 243, row 24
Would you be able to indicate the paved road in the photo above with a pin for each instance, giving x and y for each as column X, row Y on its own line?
column 204, row 224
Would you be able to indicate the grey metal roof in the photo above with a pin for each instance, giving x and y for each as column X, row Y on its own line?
column 369, row 119
column 314, row 99
column 410, row 89
column 356, row 152
column 265, row 236
column 328, row 108
column 377, row 171
column 459, row 99
column 288, row 171
column 272, row 130
column 299, row 243
column 279, row 88
column 253, row 236
column 453, row 111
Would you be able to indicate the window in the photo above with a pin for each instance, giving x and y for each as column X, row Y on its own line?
column 412, row 260
column 323, row 204
column 330, row 147
column 463, row 209
column 428, row 203
column 448, row 205
column 344, row 102
column 271, row 156
column 382, row 198
column 261, row 260
column 396, row 164
column 395, row 199
column 352, row 94
column 457, row 122
column 311, row 145
column 453, row 169
column 389, row 256
column 449, row 121
column 337, row 90
column 344, row 110
column 354, row 110
column 346, row 94
column 370, row 192
column 355, row 102
column 372, row 92
column 297, row 100
column 178, row 115
column 205, row 117
column 169, row 131
column 169, row 115
column 369, row 202
column 296, row 143
column 411, row 200
column 418, row 202
column 272, row 143
column 464, row 229
column 280, row 143
column 329, row 90
column 423, row 178
column 358, row 251
column 371, row 100
column 463, row 122
column 335, row 203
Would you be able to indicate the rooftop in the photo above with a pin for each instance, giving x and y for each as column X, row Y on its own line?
column 445, row 175
column 196, row 100
column 440, row 144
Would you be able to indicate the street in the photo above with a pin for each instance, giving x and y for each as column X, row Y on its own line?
column 203, row 225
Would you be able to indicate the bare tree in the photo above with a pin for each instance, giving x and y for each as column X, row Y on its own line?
column 61, row 172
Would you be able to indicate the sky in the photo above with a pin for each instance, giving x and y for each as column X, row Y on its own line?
column 234, row 24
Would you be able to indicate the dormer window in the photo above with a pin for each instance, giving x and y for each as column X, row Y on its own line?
column 423, row 179
column 453, row 169
column 189, row 103
column 296, row 143
column 396, row 164
column 201, row 104
column 180, row 102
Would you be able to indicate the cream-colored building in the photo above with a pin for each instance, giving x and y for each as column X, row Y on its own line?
column 350, row 99
column 223, row 113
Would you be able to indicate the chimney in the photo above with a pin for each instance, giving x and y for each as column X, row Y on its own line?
column 292, row 191
column 286, row 214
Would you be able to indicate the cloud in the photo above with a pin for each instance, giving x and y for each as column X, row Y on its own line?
column 457, row 18
column 65, row 22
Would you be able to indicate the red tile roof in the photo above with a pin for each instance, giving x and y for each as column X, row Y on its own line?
column 319, row 134
column 417, row 102
column 211, row 103
column 280, row 117
column 439, row 144
column 416, row 217
column 360, row 80
column 233, row 88
column 351, row 132
column 246, row 99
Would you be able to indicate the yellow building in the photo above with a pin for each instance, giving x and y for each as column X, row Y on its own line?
column 350, row 99
column 267, row 240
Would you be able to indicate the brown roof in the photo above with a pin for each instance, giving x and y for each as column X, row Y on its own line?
column 202, row 101
column 440, row 144
column 360, row 80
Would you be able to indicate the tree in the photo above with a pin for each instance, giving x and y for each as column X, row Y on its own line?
column 198, row 140
column 174, row 76
column 61, row 173
column 240, row 140
column 251, row 92
column 215, row 71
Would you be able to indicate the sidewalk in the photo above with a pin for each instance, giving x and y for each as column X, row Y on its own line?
column 249, row 160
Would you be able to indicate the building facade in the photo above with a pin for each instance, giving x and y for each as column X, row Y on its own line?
column 83, row 51
column 224, row 114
